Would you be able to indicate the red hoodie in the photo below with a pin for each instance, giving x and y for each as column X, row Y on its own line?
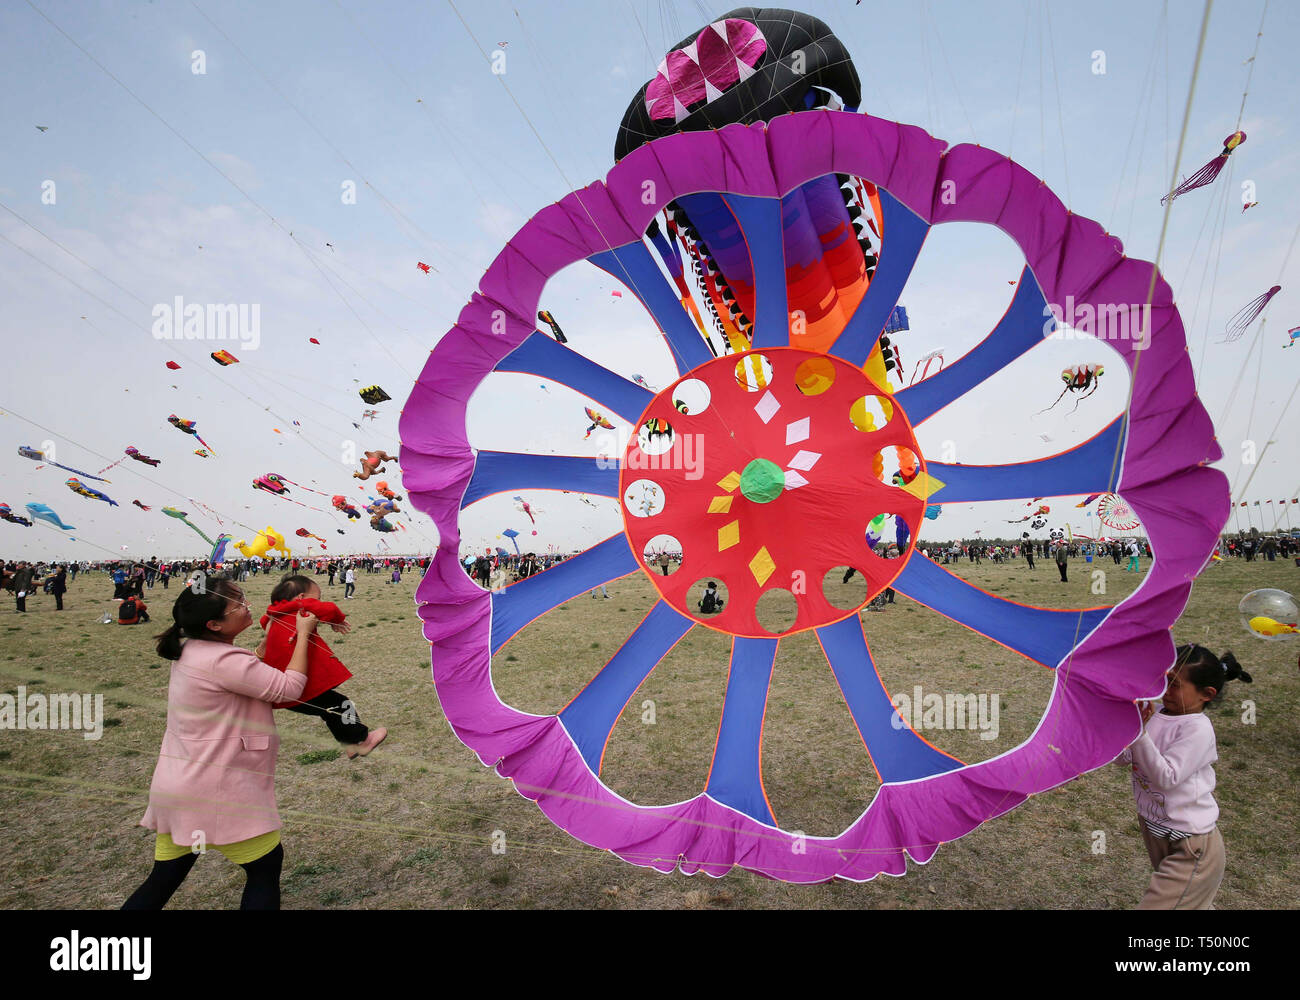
column 324, row 670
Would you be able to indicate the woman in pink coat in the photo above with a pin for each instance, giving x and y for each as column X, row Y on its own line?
column 214, row 785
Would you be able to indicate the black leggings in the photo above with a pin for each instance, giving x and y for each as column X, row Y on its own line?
column 261, row 890
column 332, row 706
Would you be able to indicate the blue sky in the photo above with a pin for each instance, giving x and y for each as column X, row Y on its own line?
column 449, row 160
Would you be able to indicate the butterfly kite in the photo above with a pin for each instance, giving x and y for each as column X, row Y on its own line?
column 597, row 420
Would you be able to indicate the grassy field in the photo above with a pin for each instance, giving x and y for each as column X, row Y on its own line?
column 412, row 825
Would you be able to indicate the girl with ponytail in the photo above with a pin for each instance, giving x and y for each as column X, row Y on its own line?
column 214, row 784
column 1173, row 782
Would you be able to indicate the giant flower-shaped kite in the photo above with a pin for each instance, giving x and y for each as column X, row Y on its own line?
column 790, row 483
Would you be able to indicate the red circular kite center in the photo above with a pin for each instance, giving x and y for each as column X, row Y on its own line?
column 764, row 471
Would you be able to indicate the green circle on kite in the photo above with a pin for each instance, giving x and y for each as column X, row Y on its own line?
column 762, row 481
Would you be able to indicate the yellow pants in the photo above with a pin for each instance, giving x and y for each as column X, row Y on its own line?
column 241, row 853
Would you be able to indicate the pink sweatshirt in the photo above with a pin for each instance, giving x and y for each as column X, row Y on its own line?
column 1173, row 779
column 216, row 769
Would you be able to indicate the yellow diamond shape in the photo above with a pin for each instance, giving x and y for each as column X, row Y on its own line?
column 720, row 505
column 924, row 486
column 728, row 535
column 762, row 566
column 730, row 483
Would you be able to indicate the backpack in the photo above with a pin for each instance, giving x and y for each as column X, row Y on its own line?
column 128, row 612
column 710, row 603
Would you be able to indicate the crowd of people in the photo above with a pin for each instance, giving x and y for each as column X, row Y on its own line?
column 222, row 698
column 130, row 579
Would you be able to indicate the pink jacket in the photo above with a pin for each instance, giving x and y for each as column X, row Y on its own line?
column 216, row 768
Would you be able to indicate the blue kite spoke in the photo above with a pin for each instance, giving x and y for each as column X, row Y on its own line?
column 530, row 598
column 900, row 244
column 1043, row 634
column 591, row 716
column 633, row 265
column 499, row 471
column 760, row 223
column 540, row 355
column 734, row 778
column 1022, row 327
column 1082, row 470
column 898, row 753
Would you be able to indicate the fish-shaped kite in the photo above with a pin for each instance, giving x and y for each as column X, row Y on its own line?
column 77, row 486
column 41, row 512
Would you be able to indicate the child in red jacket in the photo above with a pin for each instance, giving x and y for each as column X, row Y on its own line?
column 325, row 672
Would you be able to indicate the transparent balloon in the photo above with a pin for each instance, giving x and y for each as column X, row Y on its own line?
column 1270, row 614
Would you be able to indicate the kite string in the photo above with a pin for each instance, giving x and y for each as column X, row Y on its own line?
column 1160, row 246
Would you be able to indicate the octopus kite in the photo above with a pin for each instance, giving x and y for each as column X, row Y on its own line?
column 1210, row 171
column 1081, row 378
column 370, row 464
column 1247, row 314
column 137, row 503
column 77, row 486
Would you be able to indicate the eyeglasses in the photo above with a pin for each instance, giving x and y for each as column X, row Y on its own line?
column 243, row 604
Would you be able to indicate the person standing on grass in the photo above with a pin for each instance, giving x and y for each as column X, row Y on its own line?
column 1173, row 783
column 59, row 587
column 349, row 582
column 214, row 785
column 1062, row 560
column 24, row 577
